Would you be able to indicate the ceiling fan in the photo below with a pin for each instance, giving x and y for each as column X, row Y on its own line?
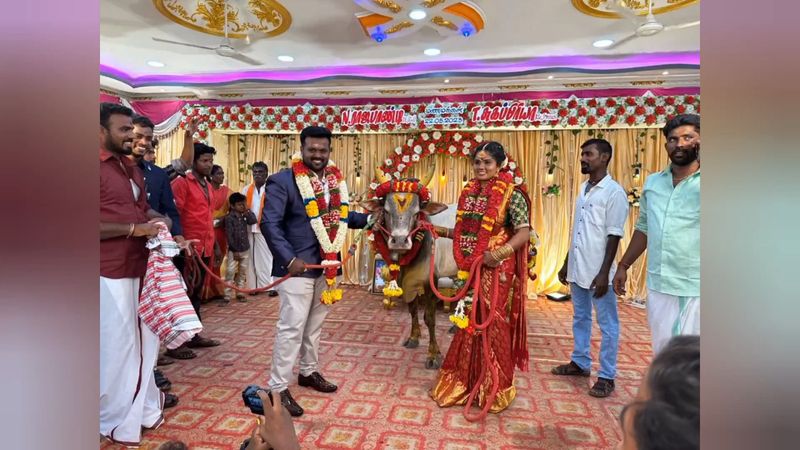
column 223, row 49
column 651, row 26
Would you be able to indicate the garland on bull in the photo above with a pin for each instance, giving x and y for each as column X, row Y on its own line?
column 379, row 244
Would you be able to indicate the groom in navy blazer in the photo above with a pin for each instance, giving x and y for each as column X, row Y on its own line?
column 287, row 230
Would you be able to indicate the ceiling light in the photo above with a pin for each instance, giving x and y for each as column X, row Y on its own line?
column 285, row 58
column 417, row 14
column 163, row 90
column 155, row 64
column 550, row 77
column 666, row 72
column 603, row 43
column 446, row 80
column 432, row 51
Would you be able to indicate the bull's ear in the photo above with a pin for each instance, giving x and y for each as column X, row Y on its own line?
column 371, row 205
column 433, row 208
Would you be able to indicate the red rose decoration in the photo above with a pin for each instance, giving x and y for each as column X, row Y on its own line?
column 270, row 125
column 572, row 120
column 650, row 119
column 323, row 118
column 572, row 104
column 202, row 134
column 298, row 110
column 212, row 110
column 601, row 111
column 374, row 127
column 307, row 118
column 592, row 103
column 680, row 109
column 241, row 125
column 390, row 126
column 670, row 100
column 621, row 110
column 630, row 101
column 226, row 125
column 359, row 127
column 284, row 110
column 255, row 124
column 650, row 101
column 553, row 104
column 421, row 108
column 553, row 123
column 438, row 126
column 591, row 120
column 219, row 117
column 640, row 110
column 660, row 110
column 421, row 126
column 212, row 125
column 689, row 99
column 257, row 111
column 630, row 120
column 697, row 108
column 329, row 110
column 612, row 120
column 407, row 108
column 344, row 128
column 562, row 113
column 315, row 110
column 270, row 111
column 610, row 102
column 582, row 112
column 406, row 126
column 227, row 109
column 248, row 117
column 285, row 125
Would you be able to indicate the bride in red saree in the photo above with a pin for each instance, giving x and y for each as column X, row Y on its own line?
column 493, row 224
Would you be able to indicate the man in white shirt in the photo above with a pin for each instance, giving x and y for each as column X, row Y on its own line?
column 259, row 273
column 600, row 212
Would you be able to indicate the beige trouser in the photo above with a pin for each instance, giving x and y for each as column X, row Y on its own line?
column 236, row 269
column 299, row 328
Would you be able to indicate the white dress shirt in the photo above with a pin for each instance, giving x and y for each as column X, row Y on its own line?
column 256, row 206
column 598, row 214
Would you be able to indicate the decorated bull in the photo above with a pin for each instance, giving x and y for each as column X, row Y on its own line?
column 403, row 236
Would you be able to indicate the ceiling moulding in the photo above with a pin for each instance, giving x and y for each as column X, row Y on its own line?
column 233, row 95
column 245, row 18
column 336, row 93
column 387, row 19
column 453, row 89
column 423, row 70
column 647, row 83
column 513, row 87
column 393, row 91
column 579, row 85
column 282, row 94
column 599, row 8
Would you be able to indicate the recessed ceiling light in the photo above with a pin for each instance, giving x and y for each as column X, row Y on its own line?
column 666, row 72
column 432, row 51
column 163, row 90
column 550, row 77
column 155, row 64
column 602, row 43
column 446, row 80
column 285, row 58
column 417, row 14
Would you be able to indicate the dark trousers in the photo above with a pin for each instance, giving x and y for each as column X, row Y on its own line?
column 193, row 289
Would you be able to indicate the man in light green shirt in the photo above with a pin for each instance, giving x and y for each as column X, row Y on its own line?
column 669, row 228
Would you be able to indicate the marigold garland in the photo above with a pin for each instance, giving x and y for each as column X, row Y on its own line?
column 329, row 221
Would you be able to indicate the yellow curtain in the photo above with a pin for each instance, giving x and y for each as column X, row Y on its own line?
column 552, row 216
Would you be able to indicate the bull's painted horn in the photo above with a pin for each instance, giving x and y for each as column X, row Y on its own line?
column 382, row 178
column 429, row 176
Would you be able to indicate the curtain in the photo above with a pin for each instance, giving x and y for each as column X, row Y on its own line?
column 357, row 155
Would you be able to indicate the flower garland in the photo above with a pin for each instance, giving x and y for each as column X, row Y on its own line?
column 478, row 210
column 378, row 240
column 329, row 221
column 633, row 197
column 644, row 110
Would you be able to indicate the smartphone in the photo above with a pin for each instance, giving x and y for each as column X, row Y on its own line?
column 253, row 401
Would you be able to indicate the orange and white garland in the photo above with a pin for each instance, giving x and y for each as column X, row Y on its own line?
column 328, row 222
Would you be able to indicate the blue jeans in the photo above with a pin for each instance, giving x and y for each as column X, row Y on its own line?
column 606, row 308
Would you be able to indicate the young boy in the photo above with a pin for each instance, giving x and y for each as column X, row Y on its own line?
column 236, row 228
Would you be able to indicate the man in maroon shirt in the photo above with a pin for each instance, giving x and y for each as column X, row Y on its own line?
column 129, row 397
column 193, row 199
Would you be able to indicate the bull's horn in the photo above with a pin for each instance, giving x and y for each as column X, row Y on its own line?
column 429, row 176
column 382, row 178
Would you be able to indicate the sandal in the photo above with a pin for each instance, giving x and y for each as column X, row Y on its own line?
column 200, row 342
column 602, row 388
column 162, row 361
column 570, row 369
column 180, row 353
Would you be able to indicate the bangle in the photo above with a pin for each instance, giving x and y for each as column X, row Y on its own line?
column 501, row 253
column 130, row 232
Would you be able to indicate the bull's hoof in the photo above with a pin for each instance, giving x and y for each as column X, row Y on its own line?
column 453, row 329
column 433, row 362
column 411, row 343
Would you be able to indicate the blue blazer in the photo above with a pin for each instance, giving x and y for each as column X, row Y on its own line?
column 159, row 194
column 286, row 227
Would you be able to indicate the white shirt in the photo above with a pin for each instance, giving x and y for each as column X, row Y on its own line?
column 598, row 214
column 257, row 193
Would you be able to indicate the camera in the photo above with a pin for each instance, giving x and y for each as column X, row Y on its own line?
column 253, row 401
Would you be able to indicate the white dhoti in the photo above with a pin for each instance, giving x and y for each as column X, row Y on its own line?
column 299, row 329
column 670, row 315
column 259, row 273
column 129, row 397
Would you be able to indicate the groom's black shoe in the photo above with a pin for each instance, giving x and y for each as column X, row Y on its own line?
column 316, row 382
column 288, row 402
